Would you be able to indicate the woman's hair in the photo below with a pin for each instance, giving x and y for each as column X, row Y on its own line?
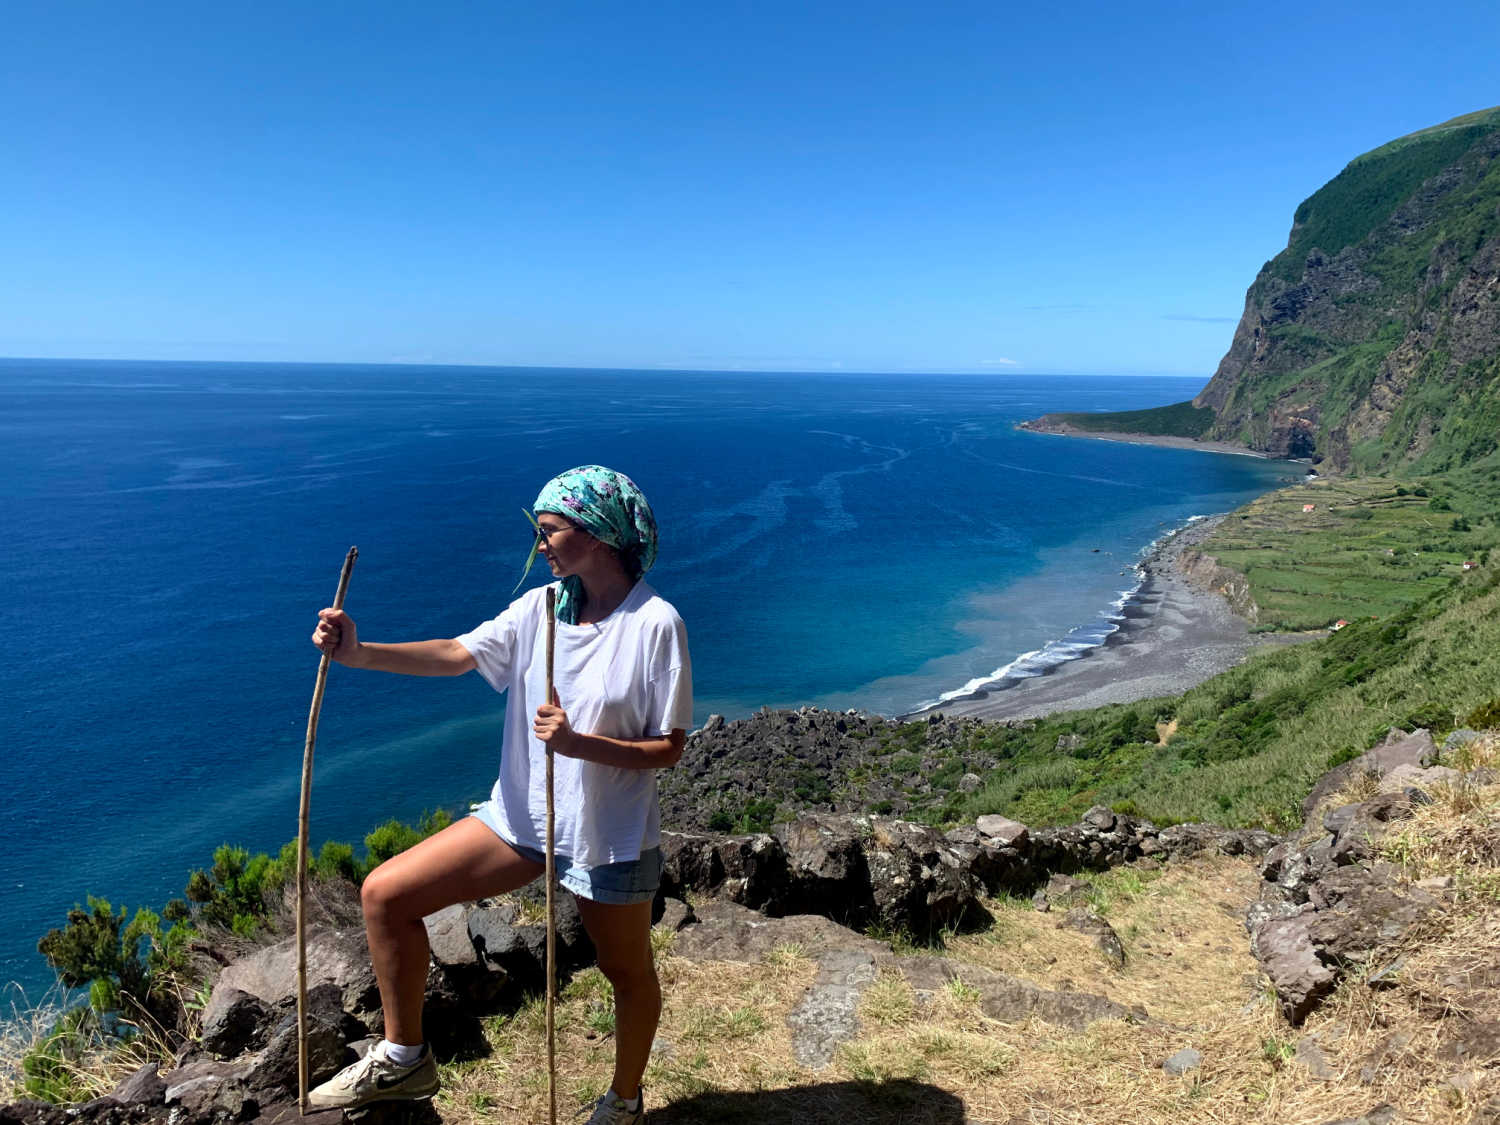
column 630, row 559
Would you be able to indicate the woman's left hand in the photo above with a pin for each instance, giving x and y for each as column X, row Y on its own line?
column 551, row 727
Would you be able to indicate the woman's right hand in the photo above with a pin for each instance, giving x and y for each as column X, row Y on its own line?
column 336, row 635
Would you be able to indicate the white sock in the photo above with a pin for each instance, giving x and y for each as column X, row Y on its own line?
column 398, row 1053
column 631, row 1104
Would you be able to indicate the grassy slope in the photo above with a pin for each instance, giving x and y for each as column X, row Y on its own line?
column 1344, row 211
column 1369, row 546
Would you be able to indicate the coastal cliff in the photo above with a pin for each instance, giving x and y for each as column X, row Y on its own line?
column 1373, row 340
column 1371, row 343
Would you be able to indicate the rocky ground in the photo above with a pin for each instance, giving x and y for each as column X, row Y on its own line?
column 852, row 967
column 744, row 774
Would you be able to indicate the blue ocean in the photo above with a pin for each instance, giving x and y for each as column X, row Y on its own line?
column 171, row 529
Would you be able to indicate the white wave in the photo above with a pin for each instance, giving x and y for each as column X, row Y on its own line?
column 1078, row 642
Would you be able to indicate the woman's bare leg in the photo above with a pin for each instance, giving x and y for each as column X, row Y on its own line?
column 622, row 938
column 463, row 862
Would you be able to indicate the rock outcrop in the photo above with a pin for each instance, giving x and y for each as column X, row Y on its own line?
column 863, row 870
column 1329, row 904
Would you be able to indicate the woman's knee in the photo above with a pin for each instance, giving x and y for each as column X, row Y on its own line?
column 380, row 894
column 627, row 970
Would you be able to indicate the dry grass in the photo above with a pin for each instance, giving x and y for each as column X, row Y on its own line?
column 723, row 1027
column 1182, row 928
column 724, row 1052
column 1458, row 834
column 90, row 1065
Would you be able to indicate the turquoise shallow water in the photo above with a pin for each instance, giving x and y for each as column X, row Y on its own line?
column 845, row 540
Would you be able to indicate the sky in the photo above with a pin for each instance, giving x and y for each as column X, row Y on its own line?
column 954, row 187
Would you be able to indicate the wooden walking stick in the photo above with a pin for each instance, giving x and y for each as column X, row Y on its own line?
column 307, row 764
column 551, row 873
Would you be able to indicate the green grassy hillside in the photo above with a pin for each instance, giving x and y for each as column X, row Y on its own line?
column 1348, row 209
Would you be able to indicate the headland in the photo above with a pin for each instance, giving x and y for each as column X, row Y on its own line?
column 1058, row 426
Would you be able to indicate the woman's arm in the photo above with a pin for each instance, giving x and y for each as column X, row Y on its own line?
column 337, row 636
column 551, row 727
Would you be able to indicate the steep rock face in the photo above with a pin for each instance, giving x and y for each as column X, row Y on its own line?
column 1204, row 572
column 1373, row 339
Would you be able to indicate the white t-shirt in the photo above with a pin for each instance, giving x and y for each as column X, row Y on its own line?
column 627, row 676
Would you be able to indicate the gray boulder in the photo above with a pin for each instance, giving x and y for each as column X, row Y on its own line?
column 1415, row 749
column 273, row 1073
column 337, row 957
column 233, row 1021
column 1183, row 1061
column 1415, row 777
column 206, row 1090
column 1003, row 831
column 1288, row 956
column 1062, row 892
column 826, row 1016
column 750, row 870
column 144, row 1087
column 726, row 931
column 918, row 882
column 1382, row 1114
column 826, row 866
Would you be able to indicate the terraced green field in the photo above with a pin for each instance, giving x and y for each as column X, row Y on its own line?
column 1367, row 548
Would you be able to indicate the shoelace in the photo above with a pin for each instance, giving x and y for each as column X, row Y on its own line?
column 366, row 1065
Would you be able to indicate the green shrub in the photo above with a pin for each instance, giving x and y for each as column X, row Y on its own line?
column 51, row 1070
column 1484, row 717
column 905, row 764
column 758, row 816
column 1436, row 717
column 124, row 965
column 393, row 837
column 1341, row 755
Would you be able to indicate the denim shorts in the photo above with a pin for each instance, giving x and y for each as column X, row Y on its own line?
column 612, row 884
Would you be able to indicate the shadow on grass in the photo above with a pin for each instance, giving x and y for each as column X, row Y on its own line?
column 833, row 1103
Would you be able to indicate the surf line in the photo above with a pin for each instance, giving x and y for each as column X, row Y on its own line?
column 1077, row 643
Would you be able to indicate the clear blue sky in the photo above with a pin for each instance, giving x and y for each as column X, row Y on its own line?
column 940, row 186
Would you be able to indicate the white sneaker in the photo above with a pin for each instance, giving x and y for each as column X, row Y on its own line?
column 377, row 1079
column 612, row 1110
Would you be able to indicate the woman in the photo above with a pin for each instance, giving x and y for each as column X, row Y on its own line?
column 622, row 708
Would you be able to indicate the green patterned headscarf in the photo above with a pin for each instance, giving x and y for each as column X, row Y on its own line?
column 610, row 507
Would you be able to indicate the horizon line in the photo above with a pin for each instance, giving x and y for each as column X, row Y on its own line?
column 976, row 371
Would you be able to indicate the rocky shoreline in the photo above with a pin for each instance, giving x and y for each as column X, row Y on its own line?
column 1178, row 631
